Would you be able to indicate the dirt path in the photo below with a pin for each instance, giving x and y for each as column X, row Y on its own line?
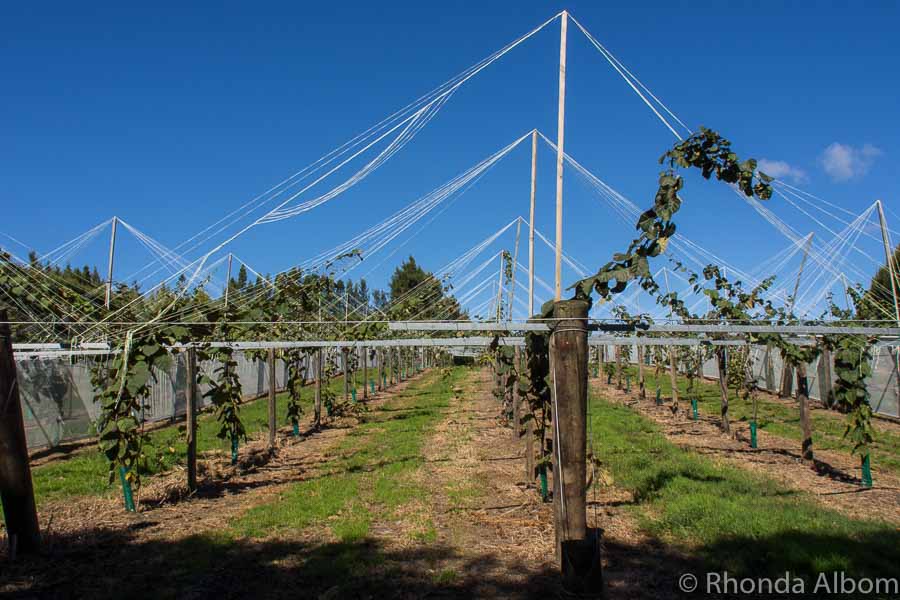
column 833, row 480
column 501, row 532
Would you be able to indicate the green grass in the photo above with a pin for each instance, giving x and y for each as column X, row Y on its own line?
column 729, row 518
column 370, row 471
column 86, row 472
column 779, row 418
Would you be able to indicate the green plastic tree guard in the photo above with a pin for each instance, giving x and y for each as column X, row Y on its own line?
column 866, row 472
column 234, row 450
column 694, row 408
column 545, row 494
column 126, row 489
column 753, row 434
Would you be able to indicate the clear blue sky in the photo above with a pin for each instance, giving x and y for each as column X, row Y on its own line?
column 171, row 114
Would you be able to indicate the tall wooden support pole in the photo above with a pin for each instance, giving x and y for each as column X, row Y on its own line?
column 318, row 397
column 560, row 154
column 191, row 425
column 273, row 422
column 575, row 548
column 805, row 422
column 228, row 280
column 16, row 489
column 531, row 225
column 109, row 267
column 365, row 369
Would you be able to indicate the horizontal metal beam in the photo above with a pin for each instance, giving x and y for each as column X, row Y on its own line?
column 670, row 341
column 723, row 329
column 781, row 329
column 465, row 326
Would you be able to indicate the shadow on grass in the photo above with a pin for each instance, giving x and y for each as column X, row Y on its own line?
column 114, row 564
column 107, row 563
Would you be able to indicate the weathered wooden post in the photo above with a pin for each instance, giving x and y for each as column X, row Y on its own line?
column 516, row 399
column 389, row 375
column 787, row 379
column 673, row 377
column 618, row 367
column 365, row 370
column 191, row 425
column 640, row 362
column 577, row 549
column 805, row 423
column 379, row 357
column 344, row 360
column 318, row 400
column 273, row 423
column 723, row 388
column 825, row 384
column 16, row 489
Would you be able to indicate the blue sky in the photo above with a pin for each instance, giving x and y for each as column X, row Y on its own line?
column 172, row 114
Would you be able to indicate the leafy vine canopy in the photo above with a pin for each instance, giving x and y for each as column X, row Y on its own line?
column 712, row 155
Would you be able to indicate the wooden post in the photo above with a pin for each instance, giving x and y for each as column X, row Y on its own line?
column 770, row 369
column 381, row 371
column 344, row 361
column 390, row 367
column 560, row 154
column 273, row 423
column 805, row 423
column 365, row 370
column 529, row 451
column 16, row 489
column 576, row 549
column 673, row 378
column 723, row 388
column 825, row 383
column 787, row 380
column 191, row 411
column 516, row 399
column 640, row 361
column 318, row 401
column 618, row 367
